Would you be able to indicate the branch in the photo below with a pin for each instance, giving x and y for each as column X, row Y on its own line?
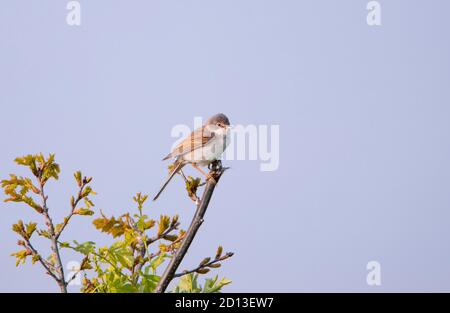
column 206, row 265
column 41, row 260
column 216, row 172
column 73, row 207
column 73, row 277
column 171, row 228
column 54, row 243
column 143, row 249
column 170, row 248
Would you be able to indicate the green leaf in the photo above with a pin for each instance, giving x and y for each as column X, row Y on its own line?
column 214, row 286
column 163, row 224
column 188, row 284
column 143, row 223
column 35, row 259
column 85, row 247
column 58, row 227
column 86, row 192
column 192, row 185
column 88, row 203
column 64, row 244
column 140, row 199
column 30, row 228
column 203, row 270
column 83, row 211
column 78, row 178
column 219, row 252
column 21, row 256
column 19, row 228
column 10, row 188
column 29, row 161
column 115, row 227
column 170, row 237
column 85, row 264
column 43, row 233
column 124, row 260
column 158, row 261
column 50, row 168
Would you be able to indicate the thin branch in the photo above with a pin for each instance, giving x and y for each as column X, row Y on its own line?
column 171, row 228
column 170, row 248
column 73, row 207
column 74, row 276
column 144, row 250
column 216, row 172
column 43, row 262
column 206, row 265
column 54, row 243
column 98, row 256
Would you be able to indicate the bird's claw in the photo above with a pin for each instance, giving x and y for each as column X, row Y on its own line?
column 215, row 166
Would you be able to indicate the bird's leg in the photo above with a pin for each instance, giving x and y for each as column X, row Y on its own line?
column 208, row 176
column 186, row 179
column 184, row 176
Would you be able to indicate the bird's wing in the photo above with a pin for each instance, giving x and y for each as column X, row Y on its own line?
column 196, row 139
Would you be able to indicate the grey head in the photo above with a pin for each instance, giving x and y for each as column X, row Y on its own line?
column 220, row 120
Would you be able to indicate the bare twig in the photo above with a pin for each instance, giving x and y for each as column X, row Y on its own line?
column 171, row 228
column 216, row 172
column 54, row 242
column 73, row 277
column 47, row 266
column 73, row 207
column 206, row 265
column 170, row 248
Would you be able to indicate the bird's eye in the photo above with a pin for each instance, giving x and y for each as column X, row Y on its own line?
column 219, row 124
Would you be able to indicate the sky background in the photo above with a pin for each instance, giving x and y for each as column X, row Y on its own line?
column 364, row 131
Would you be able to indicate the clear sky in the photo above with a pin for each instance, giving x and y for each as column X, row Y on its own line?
column 364, row 112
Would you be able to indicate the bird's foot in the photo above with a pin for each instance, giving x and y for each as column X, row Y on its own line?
column 215, row 165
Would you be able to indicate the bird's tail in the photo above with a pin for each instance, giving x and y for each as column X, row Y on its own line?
column 176, row 168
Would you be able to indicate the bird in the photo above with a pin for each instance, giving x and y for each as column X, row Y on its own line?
column 202, row 147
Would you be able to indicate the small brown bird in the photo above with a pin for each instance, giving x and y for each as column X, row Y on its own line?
column 203, row 146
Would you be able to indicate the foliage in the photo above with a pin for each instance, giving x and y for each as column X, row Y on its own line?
column 189, row 284
column 192, row 185
column 130, row 264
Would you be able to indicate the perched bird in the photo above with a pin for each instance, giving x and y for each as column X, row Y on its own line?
column 203, row 146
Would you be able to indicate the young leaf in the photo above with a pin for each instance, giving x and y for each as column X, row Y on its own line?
column 19, row 228
column 205, row 261
column 83, row 211
column 203, row 270
column 35, row 258
column 212, row 285
column 21, row 256
column 30, row 228
column 163, row 224
column 219, row 252
column 78, row 176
